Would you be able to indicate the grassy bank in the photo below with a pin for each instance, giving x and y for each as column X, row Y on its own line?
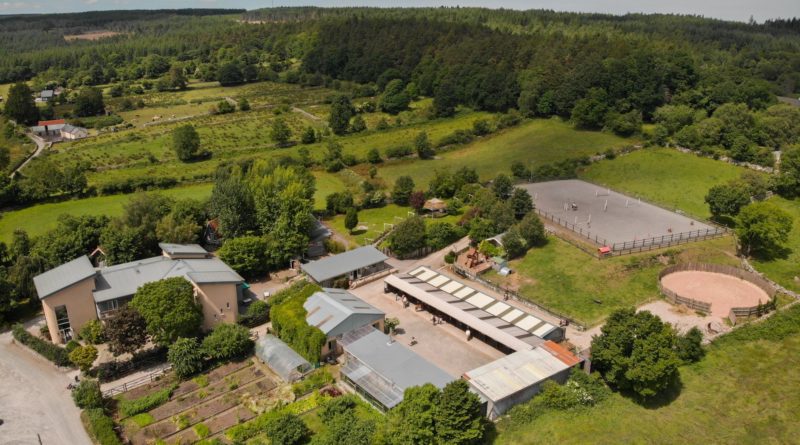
column 569, row 281
column 745, row 391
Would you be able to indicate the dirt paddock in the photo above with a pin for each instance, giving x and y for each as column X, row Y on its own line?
column 722, row 291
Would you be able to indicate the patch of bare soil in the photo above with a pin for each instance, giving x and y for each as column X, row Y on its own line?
column 93, row 35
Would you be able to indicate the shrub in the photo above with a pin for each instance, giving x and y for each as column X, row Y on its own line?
column 101, row 427
column 186, row 357
column 399, row 151
column 92, row 332
column 143, row 419
column 133, row 407
column 457, row 137
column 257, row 314
column 689, row 346
column 108, row 371
column 314, row 380
column 83, row 357
column 55, row 354
column 71, row 346
column 87, row 394
column 201, row 430
column 228, row 341
column 286, row 429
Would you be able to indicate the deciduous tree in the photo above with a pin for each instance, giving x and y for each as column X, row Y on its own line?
column 185, row 356
column 169, row 309
column 185, row 142
column 126, row 331
column 763, row 228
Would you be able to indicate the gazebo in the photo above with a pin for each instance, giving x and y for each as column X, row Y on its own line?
column 435, row 206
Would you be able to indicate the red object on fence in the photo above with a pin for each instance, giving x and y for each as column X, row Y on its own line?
column 605, row 250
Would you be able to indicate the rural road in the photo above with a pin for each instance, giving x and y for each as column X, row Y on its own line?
column 34, row 400
column 40, row 147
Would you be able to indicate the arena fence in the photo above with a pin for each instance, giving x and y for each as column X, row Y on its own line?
column 705, row 307
column 641, row 245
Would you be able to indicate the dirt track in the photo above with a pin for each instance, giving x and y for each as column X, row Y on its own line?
column 722, row 291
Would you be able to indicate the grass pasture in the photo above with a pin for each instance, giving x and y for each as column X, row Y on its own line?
column 680, row 180
column 40, row 218
column 667, row 177
column 745, row 391
column 567, row 280
column 533, row 142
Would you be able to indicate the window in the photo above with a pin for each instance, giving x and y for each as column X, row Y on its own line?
column 62, row 320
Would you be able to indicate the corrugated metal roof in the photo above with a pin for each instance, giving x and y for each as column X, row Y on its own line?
column 338, row 265
column 63, row 276
column 336, row 311
column 392, row 362
column 513, row 373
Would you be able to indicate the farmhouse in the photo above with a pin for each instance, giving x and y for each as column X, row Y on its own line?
column 492, row 321
column 357, row 264
column 517, row 377
column 76, row 292
column 336, row 312
column 57, row 130
column 381, row 369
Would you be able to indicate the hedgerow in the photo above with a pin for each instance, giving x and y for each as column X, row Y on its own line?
column 50, row 351
column 289, row 321
column 101, row 427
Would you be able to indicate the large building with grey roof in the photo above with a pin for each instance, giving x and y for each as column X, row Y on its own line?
column 381, row 369
column 336, row 312
column 76, row 292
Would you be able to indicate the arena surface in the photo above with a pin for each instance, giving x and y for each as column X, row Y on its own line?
column 722, row 291
column 612, row 218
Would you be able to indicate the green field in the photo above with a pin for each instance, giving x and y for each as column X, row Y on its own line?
column 679, row 180
column 786, row 270
column 743, row 392
column 533, row 143
column 567, row 280
column 18, row 147
column 667, row 177
column 43, row 217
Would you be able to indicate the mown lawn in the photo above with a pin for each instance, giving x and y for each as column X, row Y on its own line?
column 43, row 217
column 372, row 222
column 567, row 280
column 533, row 143
column 327, row 183
column 745, row 391
column 668, row 177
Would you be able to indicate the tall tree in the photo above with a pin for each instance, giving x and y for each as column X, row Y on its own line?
column 403, row 188
column 351, row 219
column 423, row 146
column 232, row 203
column 412, row 420
column 280, row 132
column 169, row 308
column 89, row 102
column 126, row 331
column 20, row 106
column 763, row 228
column 458, row 416
column 394, row 98
column 185, row 142
column 341, row 112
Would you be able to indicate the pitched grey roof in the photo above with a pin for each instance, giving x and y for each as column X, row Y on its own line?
column 336, row 311
column 338, row 265
column 63, row 276
column 47, row 93
column 182, row 249
column 386, row 368
column 73, row 129
column 123, row 280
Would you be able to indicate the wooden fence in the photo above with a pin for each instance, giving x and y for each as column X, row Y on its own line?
column 143, row 380
column 715, row 268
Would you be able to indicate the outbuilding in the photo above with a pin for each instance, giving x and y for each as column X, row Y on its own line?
column 517, row 377
column 381, row 369
column 336, row 312
column 348, row 267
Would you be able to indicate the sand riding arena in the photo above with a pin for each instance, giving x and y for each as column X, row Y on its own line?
column 721, row 291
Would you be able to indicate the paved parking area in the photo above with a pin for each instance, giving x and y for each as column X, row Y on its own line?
column 34, row 401
column 443, row 345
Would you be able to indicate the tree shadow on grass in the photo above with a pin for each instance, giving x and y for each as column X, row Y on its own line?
column 358, row 232
column 777, row 253
column 666, row 397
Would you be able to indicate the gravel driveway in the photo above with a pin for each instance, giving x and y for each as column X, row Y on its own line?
column 34, row 400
